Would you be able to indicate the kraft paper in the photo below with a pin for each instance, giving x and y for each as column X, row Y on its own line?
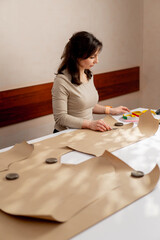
column 83, row 140
column 95, row 143
column 126, row 191
column 71, row 197
column 48, row 148
column 60, row 193
column 15, row 154
column 53, row 147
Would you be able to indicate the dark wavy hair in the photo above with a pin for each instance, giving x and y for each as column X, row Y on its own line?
column 81, row 45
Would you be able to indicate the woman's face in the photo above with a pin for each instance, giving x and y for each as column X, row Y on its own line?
column 89, row 62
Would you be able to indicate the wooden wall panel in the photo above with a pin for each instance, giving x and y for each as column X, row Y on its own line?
column 27, row 103
column 117, row 83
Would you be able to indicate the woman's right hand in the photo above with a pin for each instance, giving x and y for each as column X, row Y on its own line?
column 96, row 125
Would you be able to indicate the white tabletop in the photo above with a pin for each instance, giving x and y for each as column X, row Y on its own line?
column 141, row 219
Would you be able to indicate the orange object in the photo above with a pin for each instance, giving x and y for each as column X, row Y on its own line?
column 108, row 106
column 107, row 110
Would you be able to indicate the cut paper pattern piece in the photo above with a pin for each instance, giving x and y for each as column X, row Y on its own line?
column 95, row 143
column 19, row 152
column 87, row 141
column 62, row 191
column 128, row 190
column 48, row 148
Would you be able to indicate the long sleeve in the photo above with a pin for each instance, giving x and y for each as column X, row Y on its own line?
column 72, row 103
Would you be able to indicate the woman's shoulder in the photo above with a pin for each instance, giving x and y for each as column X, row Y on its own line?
column 63, row 77
column 62, row 82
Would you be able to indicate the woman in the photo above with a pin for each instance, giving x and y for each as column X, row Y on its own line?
column 74, row 97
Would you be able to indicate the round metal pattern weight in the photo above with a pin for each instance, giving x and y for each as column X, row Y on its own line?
column 137, row 174
column 51, row 160
column 118, row 124
column 12, row 176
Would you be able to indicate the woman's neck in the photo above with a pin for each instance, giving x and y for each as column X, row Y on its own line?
column 83, row 76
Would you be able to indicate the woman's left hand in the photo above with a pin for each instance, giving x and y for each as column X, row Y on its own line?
column 119, row 110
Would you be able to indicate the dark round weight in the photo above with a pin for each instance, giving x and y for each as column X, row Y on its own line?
column 51, row 160
column 137, row 174
column 12, row 176
column 118, row 124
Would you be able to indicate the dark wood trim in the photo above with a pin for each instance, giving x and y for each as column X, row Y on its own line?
column 117, row 83
column 27, row 103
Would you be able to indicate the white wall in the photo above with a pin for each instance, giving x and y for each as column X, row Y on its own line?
column 32, row 37
column 150, row 78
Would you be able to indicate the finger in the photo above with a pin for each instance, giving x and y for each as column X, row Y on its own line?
column 102, row 122
column 109, row 128
column 105, row 128
column 102, row 128
column 125, row 109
